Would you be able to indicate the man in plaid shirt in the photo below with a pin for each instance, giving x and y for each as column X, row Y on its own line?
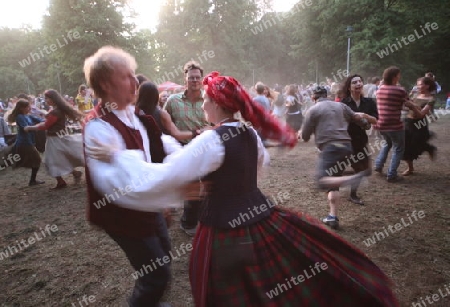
column 186, row 112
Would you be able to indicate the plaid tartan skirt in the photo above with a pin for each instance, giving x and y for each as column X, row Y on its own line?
column 288, row 259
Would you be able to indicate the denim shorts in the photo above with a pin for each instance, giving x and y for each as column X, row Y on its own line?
column 334, row 158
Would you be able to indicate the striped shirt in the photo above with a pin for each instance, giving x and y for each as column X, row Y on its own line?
column 390, row 101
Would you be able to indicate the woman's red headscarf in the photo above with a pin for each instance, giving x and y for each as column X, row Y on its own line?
column 229, row 94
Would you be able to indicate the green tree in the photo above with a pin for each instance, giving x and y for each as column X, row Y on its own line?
column 20, row 70
column 79, row 28
column 188, row 29
column 319, row 38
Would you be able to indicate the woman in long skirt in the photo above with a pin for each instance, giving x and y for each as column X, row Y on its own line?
column 247, row 251
column 63, row 151
column 417, row 133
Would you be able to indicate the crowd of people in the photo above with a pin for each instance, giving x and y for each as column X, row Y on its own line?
column 203, row 148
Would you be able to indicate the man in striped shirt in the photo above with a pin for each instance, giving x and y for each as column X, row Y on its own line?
column 391, row 99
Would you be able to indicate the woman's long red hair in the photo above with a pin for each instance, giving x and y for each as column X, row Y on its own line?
column 229, row 94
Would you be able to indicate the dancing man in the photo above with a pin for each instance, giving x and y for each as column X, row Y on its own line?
column 329, row 121
column 142, row 234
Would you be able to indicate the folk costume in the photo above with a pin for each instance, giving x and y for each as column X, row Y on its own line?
column 63, row 152
column 242, row 255
column 115, row 199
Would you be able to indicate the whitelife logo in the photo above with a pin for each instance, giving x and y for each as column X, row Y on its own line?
column 270, row 203
column 147, row 268
column 14, row 249
column 34, row 56
column 411, row 38
column 378, row 236
column 296, row 280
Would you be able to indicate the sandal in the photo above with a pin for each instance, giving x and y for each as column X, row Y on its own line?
column 408, row 172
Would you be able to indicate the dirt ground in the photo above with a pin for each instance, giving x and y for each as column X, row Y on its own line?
column 76, row 260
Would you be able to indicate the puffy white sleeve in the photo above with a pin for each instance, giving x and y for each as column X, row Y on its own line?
column 170, row 144
column 147, row 186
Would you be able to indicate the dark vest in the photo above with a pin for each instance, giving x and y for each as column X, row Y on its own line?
column 59, row 125
column 112, row 218
column 234, row 185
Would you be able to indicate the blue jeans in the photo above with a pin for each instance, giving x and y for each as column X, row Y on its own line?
column 395, row 139
column 149, row 288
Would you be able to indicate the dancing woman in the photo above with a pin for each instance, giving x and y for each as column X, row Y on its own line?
column 63, row 152
column 417, row 133
column 352, row 97
column 294, row 117
column 25, row 145
column 243, row 263
column 147, row 105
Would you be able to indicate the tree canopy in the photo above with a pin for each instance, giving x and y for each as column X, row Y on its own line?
column 245, row 39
